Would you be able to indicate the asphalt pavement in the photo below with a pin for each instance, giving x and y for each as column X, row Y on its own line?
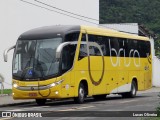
column 113, row 105
column 7, row 100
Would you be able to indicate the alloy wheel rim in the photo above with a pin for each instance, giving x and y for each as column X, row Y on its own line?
column 81, row 93
column 133, row 90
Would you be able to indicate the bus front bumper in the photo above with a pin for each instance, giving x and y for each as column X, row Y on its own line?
column 30, row 92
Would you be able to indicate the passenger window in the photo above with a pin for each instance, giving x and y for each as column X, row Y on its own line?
column 113, row 44
column 123, row 47
column 83, row 51
column 100, row 40
column 83, row 37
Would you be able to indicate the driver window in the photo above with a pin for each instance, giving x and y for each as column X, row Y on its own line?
column 68, row 54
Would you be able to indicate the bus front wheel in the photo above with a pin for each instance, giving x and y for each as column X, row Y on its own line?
column 81, row 94
column 40, row 101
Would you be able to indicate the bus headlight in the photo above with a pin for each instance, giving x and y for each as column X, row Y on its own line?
column 15, row 85
column 56, row 83
column 53, row 84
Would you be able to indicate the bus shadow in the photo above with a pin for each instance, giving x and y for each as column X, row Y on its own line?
column 119, row 97
column 91, row 100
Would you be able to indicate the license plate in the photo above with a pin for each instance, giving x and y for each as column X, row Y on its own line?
column 32, row 94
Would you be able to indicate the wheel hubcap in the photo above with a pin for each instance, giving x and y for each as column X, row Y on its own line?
column 133, row 90
column 81, row 93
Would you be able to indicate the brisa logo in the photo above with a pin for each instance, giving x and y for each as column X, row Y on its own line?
column 132, row 52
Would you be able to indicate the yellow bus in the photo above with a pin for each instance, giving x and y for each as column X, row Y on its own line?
column 77, row 61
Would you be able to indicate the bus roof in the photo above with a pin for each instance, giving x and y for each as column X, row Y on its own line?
column 49, row 32
column 61, row 30
column 112, row 33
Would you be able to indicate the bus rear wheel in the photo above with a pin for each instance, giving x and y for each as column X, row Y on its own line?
column 40, row 101
column 81, row 94
column 133, row 91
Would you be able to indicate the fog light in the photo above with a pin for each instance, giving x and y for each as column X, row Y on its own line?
column 12, row 93
column 56, row 92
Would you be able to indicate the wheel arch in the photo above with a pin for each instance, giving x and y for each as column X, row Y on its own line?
column 82, row 91
column 85, row 83
column 136, row 81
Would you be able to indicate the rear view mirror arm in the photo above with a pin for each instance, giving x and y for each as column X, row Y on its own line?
column 61, row 46
column 6, row 52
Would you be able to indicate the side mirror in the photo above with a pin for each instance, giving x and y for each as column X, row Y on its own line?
column 5, row 54
column 61, row 46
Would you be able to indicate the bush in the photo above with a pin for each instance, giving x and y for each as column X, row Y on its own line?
column 158, row 108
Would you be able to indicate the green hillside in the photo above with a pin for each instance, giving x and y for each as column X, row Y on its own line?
column 146, row 12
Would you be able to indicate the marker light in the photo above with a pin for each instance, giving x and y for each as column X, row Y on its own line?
column 56, row 92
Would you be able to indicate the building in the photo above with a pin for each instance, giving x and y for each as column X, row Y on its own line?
column 18, row 17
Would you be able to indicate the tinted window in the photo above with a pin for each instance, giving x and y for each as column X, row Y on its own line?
column 83, row 51
column 100, row 40
column 68, row 54
column 72, row 36
column 112, row 46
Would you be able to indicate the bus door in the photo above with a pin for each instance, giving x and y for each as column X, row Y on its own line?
column 67, row 60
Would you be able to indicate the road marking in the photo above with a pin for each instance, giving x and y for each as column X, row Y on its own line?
column 28, row 108
column 71, row 109
column 6, row 118
column 76, row 108
column 114, row 110
column 128, row 101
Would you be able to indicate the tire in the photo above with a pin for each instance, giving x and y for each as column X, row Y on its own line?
column 81, row 94
column 99, row 97
column 133, row 91
column 40, row 102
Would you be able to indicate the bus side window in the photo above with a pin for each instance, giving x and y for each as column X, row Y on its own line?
column 148, row 47
column 83, row 48
column 114, row 44
column 83, row 51
column 144, row 48
column 83, row 37
column 100, row 40
column 124, row 47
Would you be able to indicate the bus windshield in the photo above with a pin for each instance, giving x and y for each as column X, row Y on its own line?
column 35, row 59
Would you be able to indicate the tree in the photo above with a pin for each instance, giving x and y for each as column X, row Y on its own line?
column 144, row 12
